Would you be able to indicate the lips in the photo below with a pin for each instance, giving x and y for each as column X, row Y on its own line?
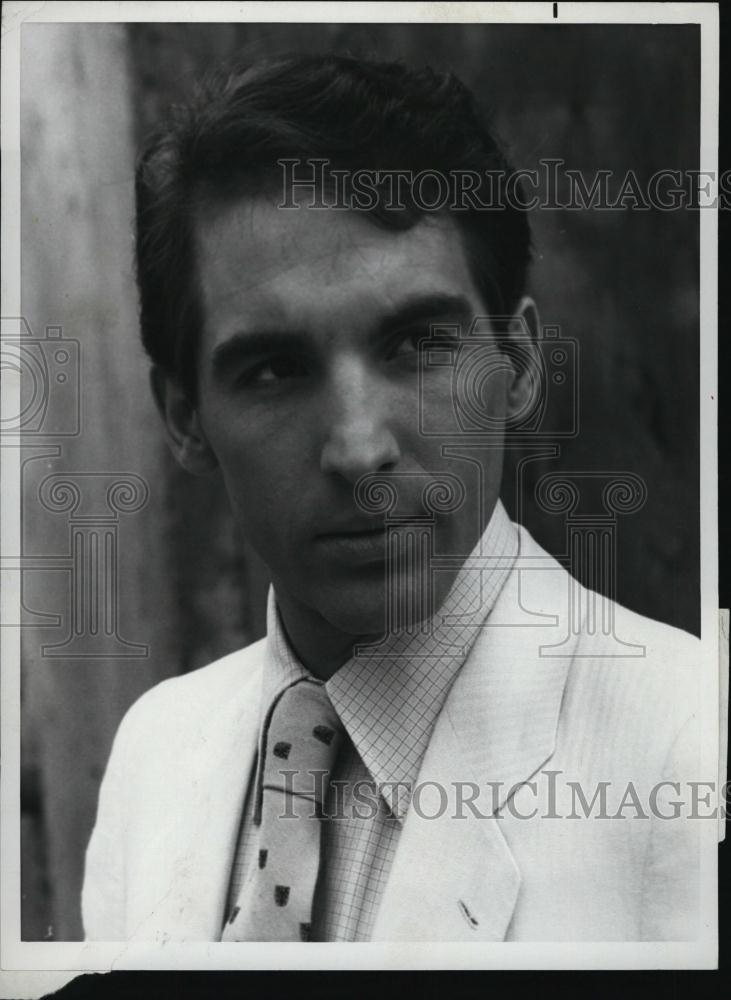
column 359, row 541
column 360, row 545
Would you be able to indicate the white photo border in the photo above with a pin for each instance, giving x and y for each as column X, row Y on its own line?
column 65, row 957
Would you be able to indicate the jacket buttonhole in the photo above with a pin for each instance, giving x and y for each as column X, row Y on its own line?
column 472, row 921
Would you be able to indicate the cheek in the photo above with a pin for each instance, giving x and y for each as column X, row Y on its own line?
column 437, row 400
column 475, row 384
column 258, row 467
column 258, row 474
column 265, row 506
column 449, row 417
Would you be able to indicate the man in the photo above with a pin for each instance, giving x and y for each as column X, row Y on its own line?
column 411, row 668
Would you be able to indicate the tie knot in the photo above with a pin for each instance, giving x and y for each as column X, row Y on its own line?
column 303, row 740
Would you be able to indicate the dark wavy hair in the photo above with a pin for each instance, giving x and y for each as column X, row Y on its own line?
column 225, row 143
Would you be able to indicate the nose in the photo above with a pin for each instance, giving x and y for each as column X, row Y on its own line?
column 358, row 437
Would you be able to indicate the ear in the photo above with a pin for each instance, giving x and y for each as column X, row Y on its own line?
column 186, row 437
column 526, row 388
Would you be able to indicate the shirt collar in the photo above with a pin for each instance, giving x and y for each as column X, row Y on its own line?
column 388, row 696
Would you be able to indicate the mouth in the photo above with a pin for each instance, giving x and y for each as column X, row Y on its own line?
column 361, row 545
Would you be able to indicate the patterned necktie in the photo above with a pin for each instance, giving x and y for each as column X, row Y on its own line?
column 275, row 902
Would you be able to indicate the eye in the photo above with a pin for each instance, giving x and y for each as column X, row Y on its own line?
column 276, row 369
column 406, row 343
column 415, row 341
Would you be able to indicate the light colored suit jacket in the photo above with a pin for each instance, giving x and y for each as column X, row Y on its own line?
column 526, row 717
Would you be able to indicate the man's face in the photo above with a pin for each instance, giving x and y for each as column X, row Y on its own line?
column 309, row 379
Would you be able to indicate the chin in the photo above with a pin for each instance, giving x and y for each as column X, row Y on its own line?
column 354, row 616
column 363, row 610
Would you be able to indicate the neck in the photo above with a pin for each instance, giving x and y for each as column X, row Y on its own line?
column 320, row 647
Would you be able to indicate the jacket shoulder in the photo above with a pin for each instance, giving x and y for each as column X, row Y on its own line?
column 636, row 628
column 188, row 702
column 657, row 665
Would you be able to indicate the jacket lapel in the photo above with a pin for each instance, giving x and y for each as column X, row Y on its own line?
column 454, row 876
column 451, row 880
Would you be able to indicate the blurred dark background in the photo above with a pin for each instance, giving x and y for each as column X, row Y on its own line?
column 623, row 283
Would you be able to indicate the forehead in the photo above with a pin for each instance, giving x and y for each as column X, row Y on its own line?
column 261, row 265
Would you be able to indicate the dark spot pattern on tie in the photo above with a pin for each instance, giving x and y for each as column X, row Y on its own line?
column 281, row 895
column 324, row 734
column 234, row 914
column 282, row 750
column 305, row 932
column 263, row 858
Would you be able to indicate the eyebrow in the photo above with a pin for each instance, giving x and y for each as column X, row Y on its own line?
column 422, row 307
column 243, row 345
column 247, row 344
